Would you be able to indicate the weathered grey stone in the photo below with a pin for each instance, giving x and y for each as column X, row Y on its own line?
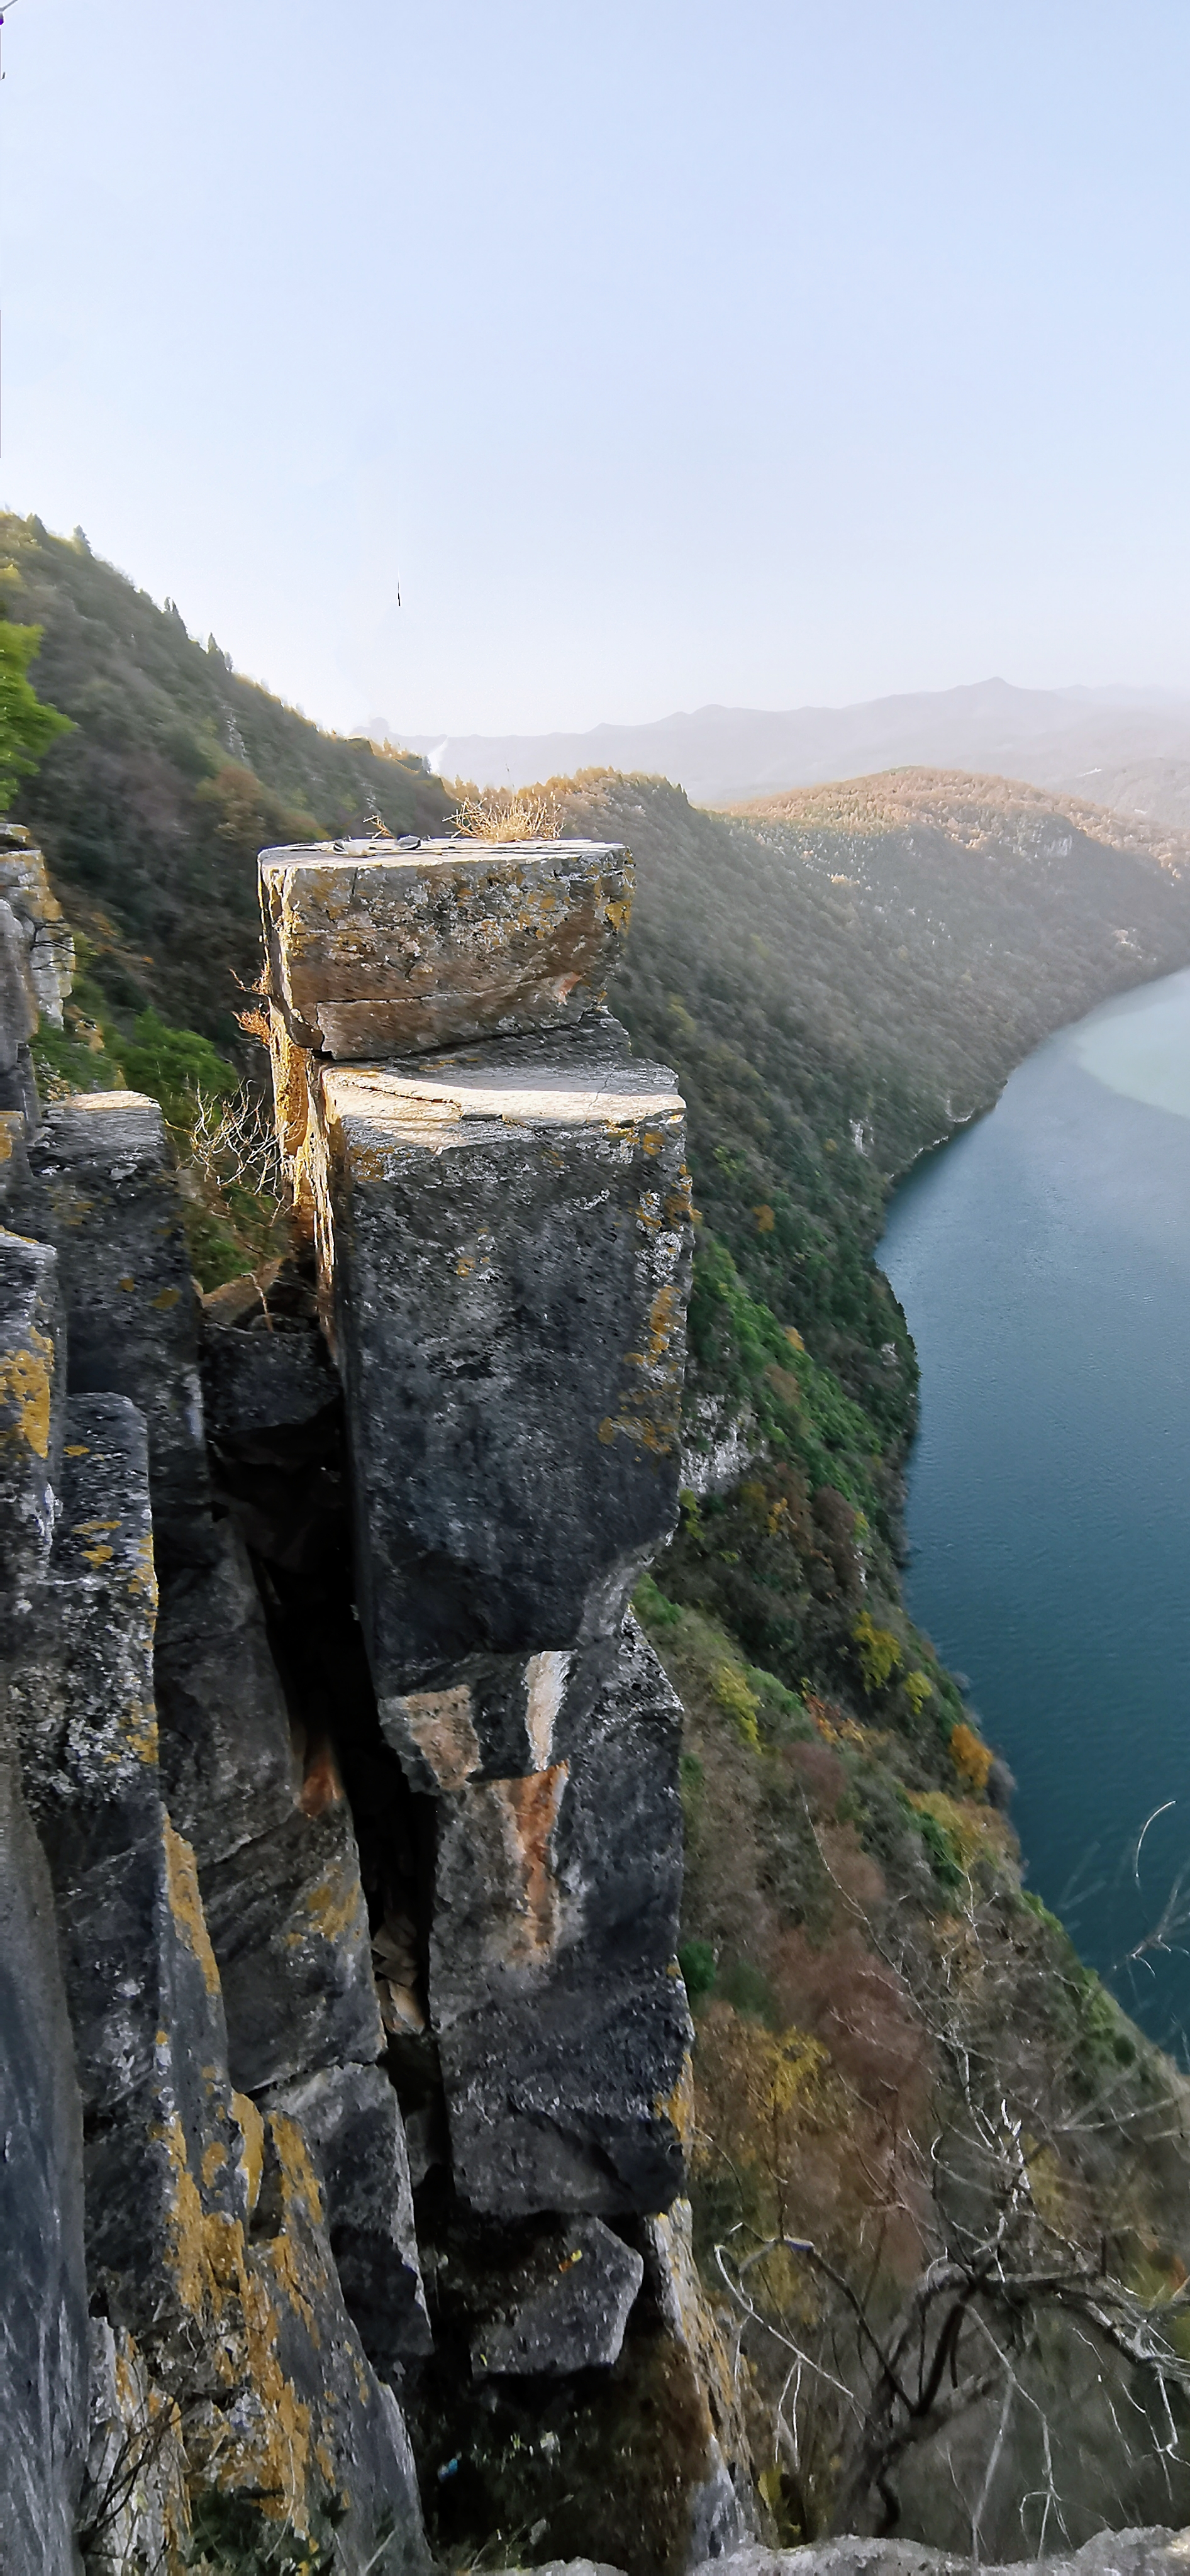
column 352, row 2126
column 262, row 1381
column 383, row 948
column 506, row 1237
column 49, row 946
column 494, row 1717
column 227, row 1761
column 561, row 2018
column 204, row 2237
column 16, row 1001
column 135, row 2495
column 137, row 1964
column 43, row 2311
column 289, row 1928
column 32, row 1392
column 114, row 1215
column 563, row 2307
column 1111, row 2553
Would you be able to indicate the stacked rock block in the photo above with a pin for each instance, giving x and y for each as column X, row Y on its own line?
column 497, row 1191
column 154, row 2175
column 36, row 964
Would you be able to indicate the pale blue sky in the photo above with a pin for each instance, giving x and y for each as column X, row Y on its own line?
column 662, row 350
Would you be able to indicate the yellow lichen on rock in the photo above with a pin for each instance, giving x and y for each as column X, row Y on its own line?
column 25, row 1389
column 186, row 1904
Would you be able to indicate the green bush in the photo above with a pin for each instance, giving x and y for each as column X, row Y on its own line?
column 697, row 1961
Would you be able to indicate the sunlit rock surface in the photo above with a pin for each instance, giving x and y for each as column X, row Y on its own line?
column 383, row 948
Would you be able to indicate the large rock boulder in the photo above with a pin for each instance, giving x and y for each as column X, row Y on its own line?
column 505, row 1246
column 389, row 948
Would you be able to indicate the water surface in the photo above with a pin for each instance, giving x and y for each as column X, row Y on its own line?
column 1043, row 1261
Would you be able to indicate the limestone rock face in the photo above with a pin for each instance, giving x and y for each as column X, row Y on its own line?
column 383, row 948
column 43, row 2313
column 562, row 2022
column 228, row 1764
column 336, row 1779
column 290, row 1929
column 505, row 1237
column 112, row 1211
column 47, row 941
column 32, row 1394
column 563, row 2308
column 350, row 2120
column 191, row 2220
column 18, row 1017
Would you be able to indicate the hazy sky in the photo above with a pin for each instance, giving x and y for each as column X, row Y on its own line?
column 659, row 350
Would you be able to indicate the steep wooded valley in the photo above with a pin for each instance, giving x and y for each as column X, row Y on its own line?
column 940, row 2185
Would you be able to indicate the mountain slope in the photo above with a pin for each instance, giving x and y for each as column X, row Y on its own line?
column 152, row 810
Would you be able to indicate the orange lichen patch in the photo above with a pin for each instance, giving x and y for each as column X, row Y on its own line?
column 140, row 1731
column 526, row 1812
column 127, row 1283
column 677, row 2106
column 206, row 2252
column 301, row 2207
column 98, row 1556
column 299, row 2182
column 185, row 1904
column 333, row 1907
column 12, row 1125
column 143, row 1578
column 168, row 1297
column 214, row 2159
column 322, row 1786
column 272, row 2460
column 25, row 1388
column 658, row 1437
column 290, row 1084
column 76, row 1449
column 443, row 1730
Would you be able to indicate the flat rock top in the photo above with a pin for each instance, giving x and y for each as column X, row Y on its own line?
column 409, row 851
column 571, row 1078
column 108, row 1128
column 1110, row 2553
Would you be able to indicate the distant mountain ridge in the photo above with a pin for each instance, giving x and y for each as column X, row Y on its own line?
column 1118, row 746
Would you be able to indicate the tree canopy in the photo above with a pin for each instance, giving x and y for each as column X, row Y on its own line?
column 27, row 726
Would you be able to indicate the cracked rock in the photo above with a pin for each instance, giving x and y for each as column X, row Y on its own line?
column 563, row 2308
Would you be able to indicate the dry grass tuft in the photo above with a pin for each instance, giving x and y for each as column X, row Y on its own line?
column 510, row 814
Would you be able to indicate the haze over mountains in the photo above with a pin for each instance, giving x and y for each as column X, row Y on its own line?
column 1124, row 747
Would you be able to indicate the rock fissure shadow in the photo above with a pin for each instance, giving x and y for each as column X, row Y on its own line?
column 284, row 1483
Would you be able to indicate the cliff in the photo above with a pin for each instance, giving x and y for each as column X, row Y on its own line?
column 930, row 2272
column 342, row 1858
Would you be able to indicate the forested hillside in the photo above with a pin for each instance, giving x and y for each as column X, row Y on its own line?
column 176, row 770
column 932, row 2328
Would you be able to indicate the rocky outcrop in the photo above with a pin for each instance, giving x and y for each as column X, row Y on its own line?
column 347, row 2055
column 395, row 948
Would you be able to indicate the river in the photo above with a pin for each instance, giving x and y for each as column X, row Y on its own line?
column 1043, row 1261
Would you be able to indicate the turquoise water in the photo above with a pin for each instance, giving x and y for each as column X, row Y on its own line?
column 1043, row 1261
